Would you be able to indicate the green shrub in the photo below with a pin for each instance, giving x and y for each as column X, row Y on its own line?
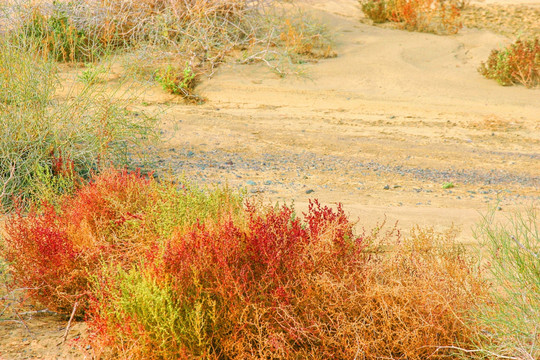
column 519, row 63
column 46, row 137
column 179, row 82
column 59, row 37
column 512, row 317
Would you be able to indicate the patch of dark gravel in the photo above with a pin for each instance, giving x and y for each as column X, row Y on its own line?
column 193, row 160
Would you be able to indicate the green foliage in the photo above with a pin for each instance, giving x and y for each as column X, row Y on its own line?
column 179, row 84
column 519, row 63
column 59, row 37
column 448, row 185
column 513, row 253
column 192, row 205
column 159, row 321
column 90, row 75
column 44, row 134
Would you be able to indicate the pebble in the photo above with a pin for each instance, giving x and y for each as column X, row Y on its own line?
column 387, row 187
column 309, row 191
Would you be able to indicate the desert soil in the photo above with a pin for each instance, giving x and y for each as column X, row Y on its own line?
column 380, row 128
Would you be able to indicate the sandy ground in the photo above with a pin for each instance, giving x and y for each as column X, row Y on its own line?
column 398, row 110
column 380, row 128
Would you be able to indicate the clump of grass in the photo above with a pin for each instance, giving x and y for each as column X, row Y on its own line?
column 179, row 83
column 519, row 63
column 439, row 16
column 58, row 36
column 50, row 141
column 512, row 318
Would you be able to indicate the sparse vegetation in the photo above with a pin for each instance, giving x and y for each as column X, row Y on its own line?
column 512, row 318
column 195, row 35
column 49, row 142
column 439, row 16
column 149, row 262
column 519, row 63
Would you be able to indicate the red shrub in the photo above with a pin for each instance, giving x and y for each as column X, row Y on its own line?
column 248, row 280
column 54, row 252
column 44, row 259
column 276, row 286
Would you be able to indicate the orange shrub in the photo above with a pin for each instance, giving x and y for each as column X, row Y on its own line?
column 283, row 287
column 440, row 16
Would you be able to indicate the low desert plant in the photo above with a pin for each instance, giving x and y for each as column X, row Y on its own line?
column 179, row 82
column 115, row 219
column 46, row 137
column 91, row 74
column 375, row 10
column 58, row 36
column 200, row 32
column 512, row 318
column 281, row 286
column 440, row 16
column 519, row 63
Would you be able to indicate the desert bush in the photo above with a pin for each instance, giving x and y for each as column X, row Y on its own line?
column 58, row 36
column 49, row 142
column 440, row 16
column 519, row 63
column 281, row 286
column 200, row 33
column 115, row 219
column 512, row 317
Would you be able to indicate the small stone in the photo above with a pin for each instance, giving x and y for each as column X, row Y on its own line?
column 499, row 208
column 268, row 182
column 309, row 191
column 387, row 187
column 251, row 182
column 190, row 153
